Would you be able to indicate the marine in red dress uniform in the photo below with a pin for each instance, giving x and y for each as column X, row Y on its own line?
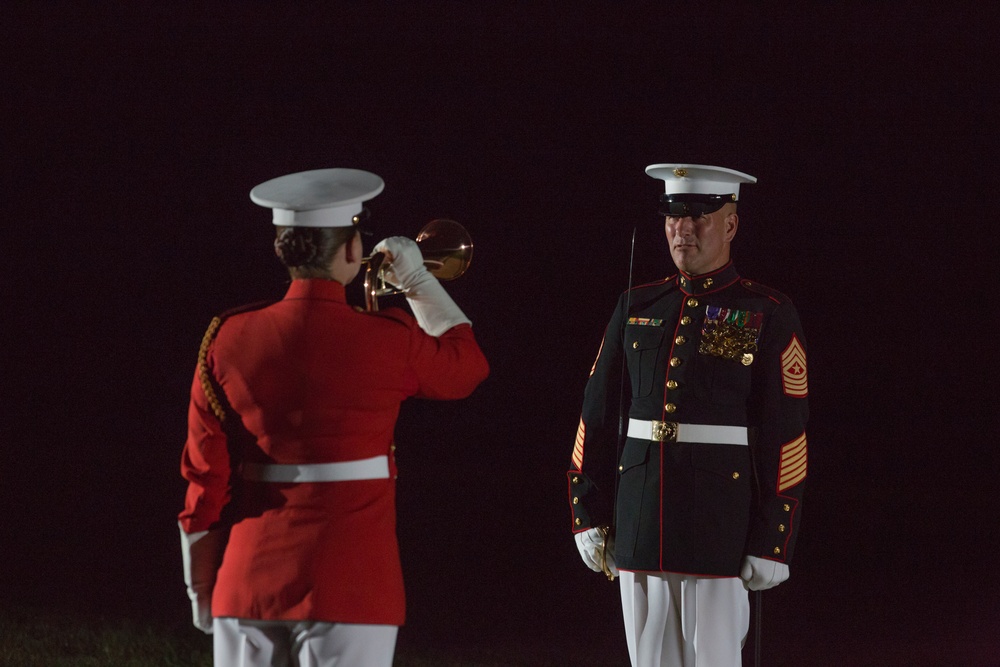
column 289, row 453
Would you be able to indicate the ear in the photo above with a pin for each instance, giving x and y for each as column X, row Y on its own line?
column 351, row 253
column 732, row 223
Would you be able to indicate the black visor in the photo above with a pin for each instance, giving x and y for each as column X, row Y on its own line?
column 692, row 205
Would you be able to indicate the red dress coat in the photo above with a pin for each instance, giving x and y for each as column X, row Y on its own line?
column 311, row 380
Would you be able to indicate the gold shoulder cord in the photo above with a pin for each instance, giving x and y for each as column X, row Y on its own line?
column 204, row 374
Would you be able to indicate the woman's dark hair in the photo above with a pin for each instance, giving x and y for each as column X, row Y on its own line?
column 308, row 251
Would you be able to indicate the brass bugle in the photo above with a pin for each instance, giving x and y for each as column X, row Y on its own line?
column 447, row 251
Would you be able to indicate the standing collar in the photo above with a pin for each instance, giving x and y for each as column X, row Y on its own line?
column 707, row 282
column 317, row 288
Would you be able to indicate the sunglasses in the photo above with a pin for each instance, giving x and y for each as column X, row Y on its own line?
column 691, row 205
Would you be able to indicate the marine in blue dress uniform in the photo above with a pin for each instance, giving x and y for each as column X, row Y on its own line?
column 710, row 473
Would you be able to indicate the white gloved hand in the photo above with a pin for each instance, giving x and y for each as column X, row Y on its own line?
column 404, row 265
column 759, row 574
column 201, row 553
column 590, row 543
column 434, row 309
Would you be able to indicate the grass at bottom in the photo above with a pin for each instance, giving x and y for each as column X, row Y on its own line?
column 44, row 638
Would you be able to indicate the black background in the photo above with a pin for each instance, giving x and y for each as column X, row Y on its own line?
column 133, row 132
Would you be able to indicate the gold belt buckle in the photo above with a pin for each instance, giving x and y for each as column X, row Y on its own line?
column 665, row 431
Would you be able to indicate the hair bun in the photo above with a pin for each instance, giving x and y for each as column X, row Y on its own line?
column 295, row 246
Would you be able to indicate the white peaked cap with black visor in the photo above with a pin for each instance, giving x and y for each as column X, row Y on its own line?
column 318, row 198
column 696, row 189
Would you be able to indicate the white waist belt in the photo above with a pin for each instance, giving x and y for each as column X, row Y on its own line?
column 696, row 433
column 377, row 467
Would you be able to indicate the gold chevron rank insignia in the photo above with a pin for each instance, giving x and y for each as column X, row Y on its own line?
column 793, row 369
column 792, row 468
column 581, row 432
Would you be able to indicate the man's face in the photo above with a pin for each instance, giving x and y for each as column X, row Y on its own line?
column 701, row 245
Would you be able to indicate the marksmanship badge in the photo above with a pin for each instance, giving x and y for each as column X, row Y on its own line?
column 730, row 333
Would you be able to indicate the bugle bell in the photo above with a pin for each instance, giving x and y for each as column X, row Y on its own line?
column 447, row 251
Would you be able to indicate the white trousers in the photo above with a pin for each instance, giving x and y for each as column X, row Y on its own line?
column 240, row 642
column 673, row 620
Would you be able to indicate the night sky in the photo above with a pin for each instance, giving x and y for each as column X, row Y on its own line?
column 133, row 133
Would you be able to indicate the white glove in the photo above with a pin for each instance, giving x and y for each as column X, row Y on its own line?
column 590, row 544
column 434, row 309
column 404, row 265
column 759, row 574
column 202, row 554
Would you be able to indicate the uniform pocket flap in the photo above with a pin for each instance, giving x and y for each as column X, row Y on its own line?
column 635, row 453
column 643, row 338
column 730, row 461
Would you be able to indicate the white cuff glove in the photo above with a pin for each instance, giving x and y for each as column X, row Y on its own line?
column 434, row 309
column 759, row 574
column 590, row 544
column 404, row 265
column 202, row 554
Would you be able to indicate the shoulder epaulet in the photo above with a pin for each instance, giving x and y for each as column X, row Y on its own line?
column 773, row 294
column 666, row 282
column 204, row 373
column 256, row 305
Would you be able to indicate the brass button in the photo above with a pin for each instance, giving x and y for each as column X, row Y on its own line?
column 736, row 475
column 576, row 500
column 675, row 362
column 620, row 468
column 781, row 527
column 576, row 480
column 578, row 521
column 685, row 320
column 692, row 302
column 680, row 340
column 788, row 507
column 777, row 550
column 708, row 282
column 671, row 384
column 670, row 407
column 635, row 345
